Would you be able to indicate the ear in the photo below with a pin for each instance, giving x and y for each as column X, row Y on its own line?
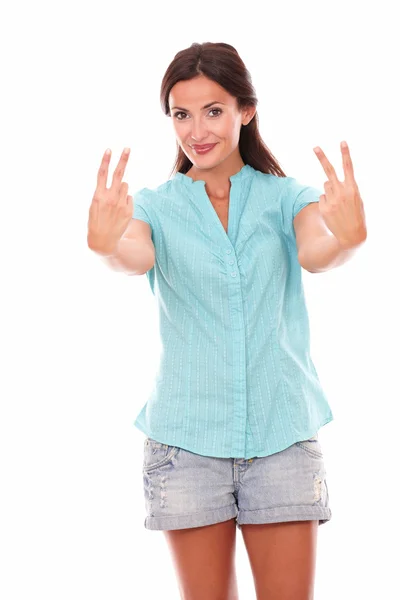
column 247, row 114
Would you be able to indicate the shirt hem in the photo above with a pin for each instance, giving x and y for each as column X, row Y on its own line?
column 217, row 454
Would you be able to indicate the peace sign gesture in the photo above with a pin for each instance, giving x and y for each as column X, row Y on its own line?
column 111, row 209
column 341, row 206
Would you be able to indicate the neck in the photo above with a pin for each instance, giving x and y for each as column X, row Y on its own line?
column 217, row 180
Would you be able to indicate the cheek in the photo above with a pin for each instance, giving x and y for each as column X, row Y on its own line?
column 181, row 131
column 225, row 128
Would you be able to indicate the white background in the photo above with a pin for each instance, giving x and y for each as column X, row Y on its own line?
column 80, row 342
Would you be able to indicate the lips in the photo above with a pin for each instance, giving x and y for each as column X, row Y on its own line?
column 205, row 147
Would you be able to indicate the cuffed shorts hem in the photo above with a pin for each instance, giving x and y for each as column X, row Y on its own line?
column 194, row 520
column 284, row 513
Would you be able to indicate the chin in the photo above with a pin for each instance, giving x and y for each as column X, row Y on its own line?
column 206, row 162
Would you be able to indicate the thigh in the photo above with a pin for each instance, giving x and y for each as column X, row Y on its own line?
column 204, row 561
column 282, row 558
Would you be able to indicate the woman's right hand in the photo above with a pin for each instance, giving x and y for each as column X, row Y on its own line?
column 111, row 209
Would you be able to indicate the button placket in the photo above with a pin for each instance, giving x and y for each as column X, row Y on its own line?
column 231, row 262
column 237, row 331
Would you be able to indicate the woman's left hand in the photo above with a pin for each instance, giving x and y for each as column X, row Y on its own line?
column 341, row 206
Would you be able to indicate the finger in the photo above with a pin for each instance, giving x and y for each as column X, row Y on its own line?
column 103, row 170
column 93, row 208
column 120, row 170
column 329, row 192
column 347, row 163
column 123, row 192
column 328, row 168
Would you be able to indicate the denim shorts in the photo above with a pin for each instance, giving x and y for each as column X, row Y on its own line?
column 183, row 489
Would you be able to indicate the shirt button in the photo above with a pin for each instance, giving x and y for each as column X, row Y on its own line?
column 231, row 262
column 228, row 251
column 233, row 274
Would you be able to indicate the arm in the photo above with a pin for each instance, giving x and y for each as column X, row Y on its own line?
column 134, row 253
column 318, row 249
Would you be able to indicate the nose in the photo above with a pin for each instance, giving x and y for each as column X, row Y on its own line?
column 199, row 130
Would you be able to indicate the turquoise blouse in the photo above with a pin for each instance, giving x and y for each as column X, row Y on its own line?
column 235, row 376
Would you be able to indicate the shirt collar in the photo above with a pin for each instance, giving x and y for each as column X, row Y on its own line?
column 189, row 182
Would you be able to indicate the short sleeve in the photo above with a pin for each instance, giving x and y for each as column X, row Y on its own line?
column 295, row 196
column 144, row 211
column 141, row 209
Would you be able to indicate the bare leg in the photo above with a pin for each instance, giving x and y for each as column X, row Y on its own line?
column 204, row 560
column 282, row 558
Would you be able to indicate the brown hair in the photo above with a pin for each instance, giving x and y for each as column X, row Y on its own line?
column 221, row 63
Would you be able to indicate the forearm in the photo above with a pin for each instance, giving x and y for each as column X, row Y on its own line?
column 131, row 256
column 324, row 253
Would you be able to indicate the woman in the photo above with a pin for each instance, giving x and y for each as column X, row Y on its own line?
column 232, row 422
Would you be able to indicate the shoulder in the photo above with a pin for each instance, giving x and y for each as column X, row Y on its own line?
column 296, row 193
column 293, row 186
column 157, row 193
column 151, row 197
column 272, row 186
column 268, row 180
column 285, row 186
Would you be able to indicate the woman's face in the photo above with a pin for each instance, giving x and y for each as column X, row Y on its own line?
column 219, row 123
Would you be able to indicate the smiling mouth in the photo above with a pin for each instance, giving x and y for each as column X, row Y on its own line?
column 203, row 148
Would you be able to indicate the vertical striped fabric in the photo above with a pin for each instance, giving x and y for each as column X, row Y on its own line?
column 235, row 377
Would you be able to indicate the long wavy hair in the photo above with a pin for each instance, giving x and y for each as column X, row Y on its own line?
column 221, row 63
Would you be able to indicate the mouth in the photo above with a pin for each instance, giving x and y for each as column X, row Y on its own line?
column 203, row 148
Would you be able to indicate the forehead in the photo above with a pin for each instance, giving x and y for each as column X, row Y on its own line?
column 195, row 93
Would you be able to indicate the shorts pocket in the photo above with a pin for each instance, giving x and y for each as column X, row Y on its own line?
column 312, row 446
column 157, row 454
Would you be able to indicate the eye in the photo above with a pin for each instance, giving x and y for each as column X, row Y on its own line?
column 219, row 111
column 179, row 113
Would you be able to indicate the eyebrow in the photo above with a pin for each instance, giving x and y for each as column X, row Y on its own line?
column 206, row 106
